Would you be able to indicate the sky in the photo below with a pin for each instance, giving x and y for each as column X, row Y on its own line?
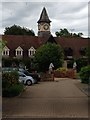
column 71, row 15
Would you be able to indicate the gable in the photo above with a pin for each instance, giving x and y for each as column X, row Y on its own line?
column 6, row 48
column 51, row 40
column 32, row 48
column 19, row 48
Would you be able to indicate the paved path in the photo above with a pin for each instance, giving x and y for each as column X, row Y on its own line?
column 48, row 100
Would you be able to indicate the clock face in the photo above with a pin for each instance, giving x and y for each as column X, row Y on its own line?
column 46, row 27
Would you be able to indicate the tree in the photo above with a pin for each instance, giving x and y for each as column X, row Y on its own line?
column 80, row 34
column 17, row 30
column 2, row 44
column 48, row 53
column 65, row 33
column 62, row 32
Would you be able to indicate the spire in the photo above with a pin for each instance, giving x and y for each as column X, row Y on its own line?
column 44, row 16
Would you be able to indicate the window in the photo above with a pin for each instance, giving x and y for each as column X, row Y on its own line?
column 68, row 52
column 82, row 51
column 5, row 51
column 31, row 51
column 19, row 51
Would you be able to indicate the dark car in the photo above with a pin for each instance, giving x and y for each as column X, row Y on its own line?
column 34, row 75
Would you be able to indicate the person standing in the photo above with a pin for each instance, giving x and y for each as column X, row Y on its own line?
column 75, row 69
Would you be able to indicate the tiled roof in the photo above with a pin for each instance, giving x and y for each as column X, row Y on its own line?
column 74, row 43
column 26, row 42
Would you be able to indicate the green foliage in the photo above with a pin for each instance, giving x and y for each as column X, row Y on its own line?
column 85, row 74
column 62, row 32
column 81, row 62
column 2, row 44
column 13, row 90
column 46, row 54
column 9, row 79
column 88, row 53
column 65, row 33
column 17, row 30
column 62, row 69
column 10, row 84
column 13, row 62
column 7, row 62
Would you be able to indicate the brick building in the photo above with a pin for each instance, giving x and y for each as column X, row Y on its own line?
column 22, row 46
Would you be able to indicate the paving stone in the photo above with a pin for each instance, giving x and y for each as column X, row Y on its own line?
column 60, row 99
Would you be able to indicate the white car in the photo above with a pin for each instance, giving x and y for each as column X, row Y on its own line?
column 27, row 80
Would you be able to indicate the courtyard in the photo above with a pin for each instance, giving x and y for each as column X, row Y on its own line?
column 61, row 98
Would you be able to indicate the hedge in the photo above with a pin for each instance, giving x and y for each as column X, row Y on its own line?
column 10, row 84
column 81, row 62
column 85, row 74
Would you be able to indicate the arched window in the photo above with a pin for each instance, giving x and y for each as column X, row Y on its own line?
column 82, row 51
column 68, row 52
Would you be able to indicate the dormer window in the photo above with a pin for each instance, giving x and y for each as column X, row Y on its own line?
column 19, row 52
column 31, row 52
column 5, row 51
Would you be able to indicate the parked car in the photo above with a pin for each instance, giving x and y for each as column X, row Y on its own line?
column 34, row 75
column 27, row 80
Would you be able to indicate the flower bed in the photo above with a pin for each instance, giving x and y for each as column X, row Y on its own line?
column 70, row 73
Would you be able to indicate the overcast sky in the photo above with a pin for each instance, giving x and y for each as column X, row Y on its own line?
column 70, row 15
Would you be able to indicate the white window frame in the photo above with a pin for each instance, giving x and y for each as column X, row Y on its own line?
column 31, row 51
column 19, row 51
column 6, row 51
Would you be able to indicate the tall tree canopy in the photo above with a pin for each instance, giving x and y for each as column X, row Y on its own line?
column 65, row 33
column 49, row 53
column 17, row 30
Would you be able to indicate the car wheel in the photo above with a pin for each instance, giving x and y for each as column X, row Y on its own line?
column 29, row 82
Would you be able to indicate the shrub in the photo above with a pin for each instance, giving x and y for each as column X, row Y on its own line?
column 10, row 84
column 62, row 69
column 14, row 62
column 85, row 74
column 65, row 72
column 81, row 62
column 9, row 79
column 12, row 90
column 46, row 54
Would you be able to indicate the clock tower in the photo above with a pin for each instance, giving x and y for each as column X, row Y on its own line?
column 44, row 24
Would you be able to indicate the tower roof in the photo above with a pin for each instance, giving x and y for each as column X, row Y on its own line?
column 44, row 16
